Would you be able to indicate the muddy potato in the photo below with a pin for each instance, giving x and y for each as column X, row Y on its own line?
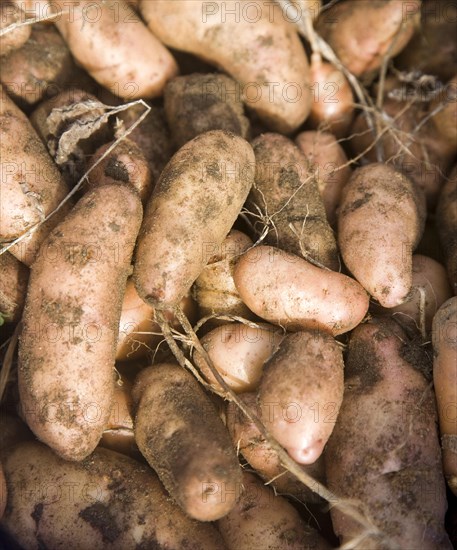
column 14, row 277
column 11, row 14
column 445, row 119
column 446, row 221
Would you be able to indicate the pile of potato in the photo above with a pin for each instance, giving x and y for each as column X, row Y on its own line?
column 228, row 274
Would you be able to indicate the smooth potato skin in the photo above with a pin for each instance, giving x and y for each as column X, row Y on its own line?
column 289, row 291
column 445, row 382
column 14, row 278
column 381, row 219
column 71, row 319
column 193, row 206
column 384, row 449
column 178, row 431
column 106, row 501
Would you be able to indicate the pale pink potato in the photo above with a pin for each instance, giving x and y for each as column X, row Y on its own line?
column 330, row 164
column 444, row 339
column 12, row 14
column 71, row 321
column 267, row 58
column 264, row 521
column 301, row 391
column 238, row 352
column 118, row 52
column 380, row 222
column 384, row 451
column 288, row 291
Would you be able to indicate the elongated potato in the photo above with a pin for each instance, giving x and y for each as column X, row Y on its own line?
column 266, row 59
column 264, row 521
column 118, row 52
column 446, row 220
column 107, row 501
column 285, row 194
column 380, row 222
column 289, row 291
column 179, row 433
column 193, row 206
column 238, row 353
column 71, row 321
column 384, row 449
column 444, row 338
column 14, row 277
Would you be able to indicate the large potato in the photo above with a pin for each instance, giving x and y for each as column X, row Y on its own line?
column 11, row 14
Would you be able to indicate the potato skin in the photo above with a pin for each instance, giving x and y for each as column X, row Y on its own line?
column 446, row 216
column 193, row 206
column 179, row 433
column 287, row 290
column 11, row 14
column 380, row 222
column 445, row 120
column 301, row 391
column 384, row 449
column 445, row 382
column 14, row 278
column 107, row 501
column 71, row 319
column 280, row 59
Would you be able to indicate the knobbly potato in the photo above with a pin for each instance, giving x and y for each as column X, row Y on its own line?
column 267, row 58
column 179, row 433
column 14, row 277
column 238, row 352
column 107, row 501
column 384, row 450
column 289, row 291
column 286, row 197
column 446, row 219
column 198, row 103
column 71, row 319
column 381, row 219
column 263, row 520
column 10, row 15
column 301, row 391
column 194, row 205
column 444, row 338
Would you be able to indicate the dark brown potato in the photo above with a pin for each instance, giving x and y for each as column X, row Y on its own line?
column 179, row 433
column 197, row 103
column 14, row 278
column 446, row 216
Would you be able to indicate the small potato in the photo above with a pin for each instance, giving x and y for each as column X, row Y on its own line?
column 330, row 165
column 301, row 391
column 10, row 15
column 193, row 206
column 384, row 450
column 71, row 318
column 446, row 220
column 444, row 338
column 107, row 501
column 288, row 291
column 238, row 352
column 264, row 521
column 179, row 433
column 14, row 278
column 380, row 222
column 445, row 120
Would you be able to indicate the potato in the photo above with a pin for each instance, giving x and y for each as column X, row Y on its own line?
column 71, row 319
column 430, row 288
column 248, row 441
column 198, row 103
column 288, row 291
column 238, row 352
column 362, row 33
column 445, row 119
column 178, row 432
column 446, row 220
column 125, row 164
column 106, row 501
column 301, row 391
column 264, row 521
column 14, row 277
column 267, row 58
column 193, row 206
column 445, row 382
column 214, row 289
column 286, row 197
column 31, row 185
column 384, row 449
column 118, row 52
column 10, row 15
column 39, row 69
column 330, row 165
column 380, row 222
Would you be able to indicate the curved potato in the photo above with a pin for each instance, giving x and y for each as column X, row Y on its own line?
column 14, row 278
column 289, row 291
column 71, row 321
